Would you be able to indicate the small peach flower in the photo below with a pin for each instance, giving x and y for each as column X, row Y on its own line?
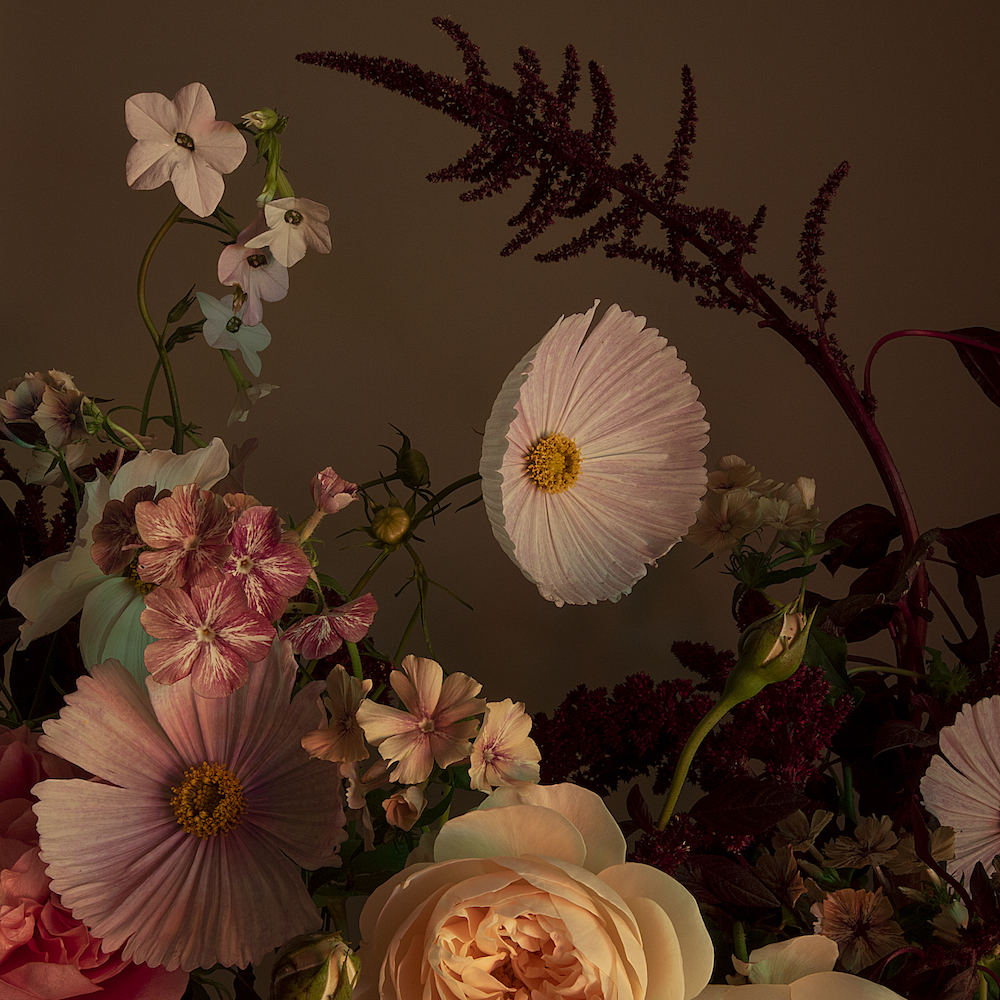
column 503, row 753
column 861, row 923
column 403, row 808
column 725, row 519
column 343, row 739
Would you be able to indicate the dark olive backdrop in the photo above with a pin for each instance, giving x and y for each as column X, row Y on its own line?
column 415, row 319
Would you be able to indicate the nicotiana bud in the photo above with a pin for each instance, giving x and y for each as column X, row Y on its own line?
column 264, row 118
column 315, row 967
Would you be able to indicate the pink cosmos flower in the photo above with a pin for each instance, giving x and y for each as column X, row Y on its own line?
column 269, row 565
column 180, row 141
column 342, row 740
column 962, row 786
column 432, row 727
column 187, row 851
column 295, row 223
column 591, row 462
column 255, row 271
column 208, row 633
column 322, row 635
column 503, row 753
column 188, row 532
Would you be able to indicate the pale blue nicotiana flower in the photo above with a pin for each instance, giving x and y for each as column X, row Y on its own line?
column 226, row 331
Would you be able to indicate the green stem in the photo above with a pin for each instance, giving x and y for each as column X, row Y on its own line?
column 883, row 670
column 70, row 483
column 740, row 941
column 144, row 420
column 158, row 339
column 369, row 573
column 715, row 714
column 414, row 618
column 457, row 485
column 352, row 649
column 121, row 432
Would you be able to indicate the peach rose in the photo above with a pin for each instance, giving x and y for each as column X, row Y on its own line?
column 530, row 895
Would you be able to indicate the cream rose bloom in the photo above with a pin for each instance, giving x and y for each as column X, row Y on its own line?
column 798, row 969
column 529, row 896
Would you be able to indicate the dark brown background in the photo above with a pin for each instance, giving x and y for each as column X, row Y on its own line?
column 414, row 319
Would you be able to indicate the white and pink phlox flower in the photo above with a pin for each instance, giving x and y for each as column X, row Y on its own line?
column 180, row 141
column 322, row 635
column 503, row 753
column 343, row 739
column 254, row 270
column 208, row 633
column 268, row 564
column 151, row 875
column 330, row 492
column 295, row 223
column 435, row 726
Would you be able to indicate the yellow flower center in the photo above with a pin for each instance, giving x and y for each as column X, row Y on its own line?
column 209, row 800
column 131, row 573
column 554, row 463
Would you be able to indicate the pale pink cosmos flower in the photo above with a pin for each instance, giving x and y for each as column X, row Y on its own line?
column 188, row 533
column 143, row 858
column 592, row 465
column 267, row 563
column 254, row 270
column 322, row 635
column 180, row 141
column 503, row 753
column 435, row 725
column 330, row 492
column 962, row 786
column 208, row 633
column 295, row 223
column 342, row 740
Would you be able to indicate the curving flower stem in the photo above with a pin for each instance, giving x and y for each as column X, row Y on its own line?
column 144, row 419
column 368, row 574
column 158, row 339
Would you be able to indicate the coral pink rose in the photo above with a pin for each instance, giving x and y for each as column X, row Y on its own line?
column 45, row 953
column 530, row 896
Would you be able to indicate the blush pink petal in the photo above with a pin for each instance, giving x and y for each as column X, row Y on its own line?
column 317, row 636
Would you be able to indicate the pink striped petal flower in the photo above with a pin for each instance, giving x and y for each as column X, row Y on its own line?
column 267, row 564
column 322, row 635
column 332, row 493
column 435, row 726
column 504, row 753
column 188, row 532
column 180, row 141
column 143, row 861
column 962, row 786
column 208, row 633
column 592, row 465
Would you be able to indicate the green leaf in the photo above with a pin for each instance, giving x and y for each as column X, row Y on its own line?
column 830, row 653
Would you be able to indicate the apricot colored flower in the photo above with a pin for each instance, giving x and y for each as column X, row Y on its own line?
column 342, row 740
column 322, row 635
column 295, row 223
column 180, row 141
column 188, row 851
column 962, row 786
column 861, row 923
column 404, row 808
column 530, row 895
column 726, row 518
column 255, row 271
column 435, row 726
column 503, row 752
column 592, row 465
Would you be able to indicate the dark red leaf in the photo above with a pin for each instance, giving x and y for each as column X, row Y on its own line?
column 746, row 806
column 718, row 881
column 975, row 546
column 866, row 531
column 983, row 364
column 984, row 896
column 901, row 733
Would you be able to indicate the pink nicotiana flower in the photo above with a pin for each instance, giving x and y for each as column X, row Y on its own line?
column 962, row 786
column 435, row 726
column 503, row 752
column 225, row 330
column 295, row 223
column 208, row 633
column 180, row 141
column 342, row 740
column 188, row 534
column 332, row 493
column 322, row 635
column 592, row 465
column 245, row 398
column 255, row 271
column 187, row 851
column 269, row 565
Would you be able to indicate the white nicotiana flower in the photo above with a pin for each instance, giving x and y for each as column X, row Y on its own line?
column 295, row 223
column 226, row 331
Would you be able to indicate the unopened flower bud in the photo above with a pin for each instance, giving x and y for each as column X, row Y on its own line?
column 265, row 118
column 330, row 492
column 315, row 967
column 770, row 650
column 413, row 468
column 390, row 525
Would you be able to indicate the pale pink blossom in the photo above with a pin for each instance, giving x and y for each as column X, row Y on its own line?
column 267, row 563
column 188, row 533
column 226, row 329
column 180, row 141
column 330, row 492
column 141, row 859
column 725, row 519
column 62, row 417
column 295, row 223
column 343, row 739
column 435, row 725
column 503, row 752
column 404, row 808
column 316, row 636
column 531, row 896
column 208, row 633
column 962, row 786
column 592, row 466
column 254, row 270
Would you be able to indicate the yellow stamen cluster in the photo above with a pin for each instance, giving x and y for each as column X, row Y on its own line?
column 132, row 574
column 554, row 463
column 209, row 800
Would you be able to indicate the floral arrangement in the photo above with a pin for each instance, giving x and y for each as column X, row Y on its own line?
column 206, row 755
